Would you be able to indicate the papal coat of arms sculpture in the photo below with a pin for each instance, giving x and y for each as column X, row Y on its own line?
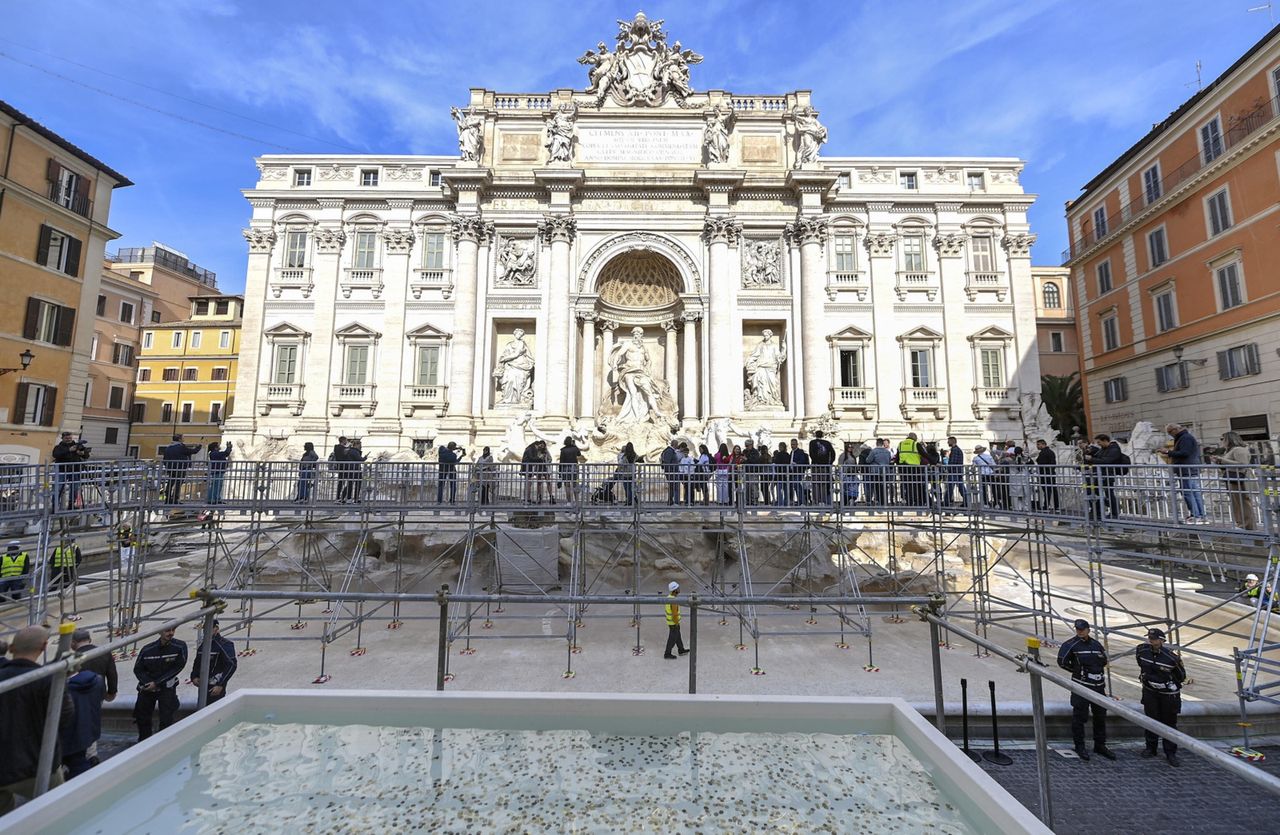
column 642, row 69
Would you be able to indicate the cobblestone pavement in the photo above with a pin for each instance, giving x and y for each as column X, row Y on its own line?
column 1139, row 795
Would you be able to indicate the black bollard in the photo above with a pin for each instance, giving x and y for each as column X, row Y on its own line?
column 994, row 755
column 964, row 720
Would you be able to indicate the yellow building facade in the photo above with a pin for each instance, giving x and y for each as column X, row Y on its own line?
column 186, row 375
column 54, row 202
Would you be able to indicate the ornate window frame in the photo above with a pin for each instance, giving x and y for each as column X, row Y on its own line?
column 433, row 399
column 987, row 399
column 357, row 277
column 931, row 400
column 283, row 276
column 860, row 398
column 283, row 395
column 846, row 227
column 344, row 394
column 431, row 277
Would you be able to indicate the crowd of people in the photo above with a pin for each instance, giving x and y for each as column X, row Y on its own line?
column 158, row 668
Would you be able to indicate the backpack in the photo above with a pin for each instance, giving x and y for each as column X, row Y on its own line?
column 864, row 455
column 1122, row 466
column 823, row 453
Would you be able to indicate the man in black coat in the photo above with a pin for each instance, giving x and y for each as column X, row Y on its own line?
column 222, row 664
column 1047, row 473
column 1084, row 657
column 22, row 713
column 177, row 460
column 338, row 463
column 448, row 473
column 68, row 456
column 670, row 461
column 799, row 475
column 1162, row 675
column 753, row 461
column 158, row 670
column 821, row 455
column 1107, row 461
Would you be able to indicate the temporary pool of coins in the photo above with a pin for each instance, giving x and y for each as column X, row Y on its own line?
column 368, row 778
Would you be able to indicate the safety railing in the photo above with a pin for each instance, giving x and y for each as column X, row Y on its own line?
column 1213, row 497
column 1030, row 662
column 66, row 663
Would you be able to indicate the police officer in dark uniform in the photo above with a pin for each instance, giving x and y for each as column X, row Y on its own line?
column 222, row 663
column 1086, row 660
column 158, row 670
column 1162, row 674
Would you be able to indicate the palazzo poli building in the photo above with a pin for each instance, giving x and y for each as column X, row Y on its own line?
column 630, row 261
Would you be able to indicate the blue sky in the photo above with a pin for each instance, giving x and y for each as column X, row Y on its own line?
column 1065, row 84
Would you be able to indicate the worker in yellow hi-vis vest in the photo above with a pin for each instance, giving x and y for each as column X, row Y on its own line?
column 674, row 641
column 64, row 561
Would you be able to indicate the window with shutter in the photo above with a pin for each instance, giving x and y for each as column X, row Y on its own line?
column 66, row 326
column 20, row 405
column 71, row 266
column 42, row 247
column 1253, row 364
column 50, row 401
column 31, row 325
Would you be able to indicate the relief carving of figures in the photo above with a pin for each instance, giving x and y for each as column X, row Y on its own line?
column 470, row 133
column 560, row 125
column 810, row 135
column 764, row 372
column 644, row 400
column 517, row 264
column 760, row 264
column 260, row 240
column 642, row 69
column 514, row 372
column 715, row 136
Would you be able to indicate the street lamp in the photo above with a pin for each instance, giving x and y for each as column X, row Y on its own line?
column 25, row 357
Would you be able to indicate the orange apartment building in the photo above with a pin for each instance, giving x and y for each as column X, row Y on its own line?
column 1175, row 260
column 54, row 203
column 123, row 305
column 1055, row 321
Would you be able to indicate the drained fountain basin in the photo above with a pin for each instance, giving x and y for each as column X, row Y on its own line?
column 342, row 761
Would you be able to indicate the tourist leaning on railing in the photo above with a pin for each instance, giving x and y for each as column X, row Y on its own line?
column 1186, row 460
column 1236, row 458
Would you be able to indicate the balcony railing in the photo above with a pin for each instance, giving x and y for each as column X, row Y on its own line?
column 78, row 203
column 292, row 278
column 766, row 103
column 929, row 395
column 916, row 282
column 355, row 395
column 282, row 395
column 508, row 101
column 162, row 257
column 431, row 278
column 917, row 401
column 1240, row 128
column 854, row 399
column 987, row 398
column 849, row 280
column 985, row 282
column 435, row 398
column 362, row 279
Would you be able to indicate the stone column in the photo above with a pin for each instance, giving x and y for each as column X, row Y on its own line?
column 481, row 382
column 388, row 373
column 1025, row 355
column 810, row 234
column 255, row 368
column 607, row 327
column 467, row 231
column 689, row 402
column 890, row 377
column 558, row 231
column 670, row 367
column 721, row 233
column 588, row 374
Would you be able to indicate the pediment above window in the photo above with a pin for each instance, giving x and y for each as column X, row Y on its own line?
column 285, row 331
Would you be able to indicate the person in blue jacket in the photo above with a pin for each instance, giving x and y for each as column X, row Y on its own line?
column 87, row 690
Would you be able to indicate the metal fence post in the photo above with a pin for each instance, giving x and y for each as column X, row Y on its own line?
column 442, row 597
column 206, row 652
column 693, row 644
column 1042, row 736
column 53, row 713
column 939, row 707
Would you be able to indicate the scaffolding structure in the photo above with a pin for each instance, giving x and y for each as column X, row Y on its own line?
column 1034, row 549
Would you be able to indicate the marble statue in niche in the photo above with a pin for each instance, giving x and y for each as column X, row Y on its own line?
column 514, row 372
column 764, row 372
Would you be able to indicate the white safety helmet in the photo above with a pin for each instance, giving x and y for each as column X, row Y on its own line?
column 673, row 586
column 1251, row 577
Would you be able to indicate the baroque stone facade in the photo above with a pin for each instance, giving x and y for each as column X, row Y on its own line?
column 631, row 261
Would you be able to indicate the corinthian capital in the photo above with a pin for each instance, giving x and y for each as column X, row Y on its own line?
column 807, row 230
column 329, row 240
column 722, row 229
column 553, row 228
column 951, row 244
column 467, row 228
column 880, row 243
column 260, row 240
column 1018, row 243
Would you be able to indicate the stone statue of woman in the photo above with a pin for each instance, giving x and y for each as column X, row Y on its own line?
column 764, row 371
column 470, row 139
column 715, row 136
column 559, row 142
column 514, row 372
column 810, row 134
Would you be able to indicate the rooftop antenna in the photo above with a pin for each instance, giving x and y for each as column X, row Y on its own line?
column 1199, row 81
column 1268, row 8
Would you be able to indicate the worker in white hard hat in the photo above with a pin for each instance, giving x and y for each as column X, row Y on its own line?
column 1255, row 593
column 674, row 641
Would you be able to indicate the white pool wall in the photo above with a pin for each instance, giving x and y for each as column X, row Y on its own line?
column 989, row 807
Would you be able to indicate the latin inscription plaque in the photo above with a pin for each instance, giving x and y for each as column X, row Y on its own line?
column 639, row 145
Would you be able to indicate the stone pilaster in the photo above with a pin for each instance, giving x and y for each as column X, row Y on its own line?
column 1025, row 354
column 670, row 360
column 689, row 400
column 322, row 366
column 467, row 231
column 558, row 231
column 724, row 339
column 810, row 235
column 253, row 366
column 587, row 396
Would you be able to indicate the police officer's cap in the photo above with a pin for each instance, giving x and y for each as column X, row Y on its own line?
column 1081, row 623
column 1156, row 633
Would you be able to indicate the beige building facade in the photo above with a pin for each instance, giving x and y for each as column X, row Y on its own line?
column 1056, row 334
